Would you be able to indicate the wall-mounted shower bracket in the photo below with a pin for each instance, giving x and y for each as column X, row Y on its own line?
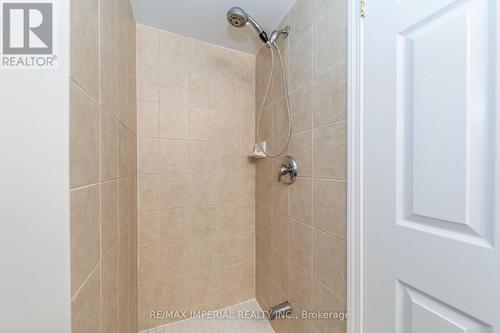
column 276, row 34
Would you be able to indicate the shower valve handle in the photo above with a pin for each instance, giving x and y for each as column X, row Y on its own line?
column 284, row 169
column 288, row 170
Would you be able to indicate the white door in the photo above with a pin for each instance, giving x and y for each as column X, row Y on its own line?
column 432, row 166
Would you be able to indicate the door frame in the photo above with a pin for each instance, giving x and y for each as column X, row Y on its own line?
column 355, row 100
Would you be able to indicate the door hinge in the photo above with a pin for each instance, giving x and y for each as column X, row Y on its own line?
column 363, row 8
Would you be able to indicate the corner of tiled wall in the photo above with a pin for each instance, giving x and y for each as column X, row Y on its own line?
column 196, row 184
column 301, row 228
column 103, row 190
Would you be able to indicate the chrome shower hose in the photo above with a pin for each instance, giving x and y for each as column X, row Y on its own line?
column 259, row 118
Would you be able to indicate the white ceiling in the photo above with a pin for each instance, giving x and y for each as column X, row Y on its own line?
column 206, row 19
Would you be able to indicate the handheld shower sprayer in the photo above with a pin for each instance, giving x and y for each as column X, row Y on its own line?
column 238, row 18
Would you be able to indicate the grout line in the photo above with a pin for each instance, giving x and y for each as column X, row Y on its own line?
column 82, row 187
column 194, row 140
column 338, row 122
column 196, row 40
column 85, row 92
column 337, row 180
column 77, row 292
column 331, row 291
column 163, row 243
column 313, row 91
column 195, row 273
column 102, row 182
column 329, row 234
column 99, row 17
column 115, row 117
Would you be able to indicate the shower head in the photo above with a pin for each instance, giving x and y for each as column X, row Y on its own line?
column 238, row 18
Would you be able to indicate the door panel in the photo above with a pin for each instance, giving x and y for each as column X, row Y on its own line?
column 446, row 117
column 431, row 166
column 422, row 313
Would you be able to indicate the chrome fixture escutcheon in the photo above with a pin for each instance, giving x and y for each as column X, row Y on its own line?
column 288, row 170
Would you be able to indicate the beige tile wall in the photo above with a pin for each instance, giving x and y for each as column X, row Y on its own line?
column 196, row 184
column 301, row 228
column 103, row 172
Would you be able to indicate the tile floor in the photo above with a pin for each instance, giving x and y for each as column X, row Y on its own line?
column 235, row 324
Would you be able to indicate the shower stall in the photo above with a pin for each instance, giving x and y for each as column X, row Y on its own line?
column 216, row 226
